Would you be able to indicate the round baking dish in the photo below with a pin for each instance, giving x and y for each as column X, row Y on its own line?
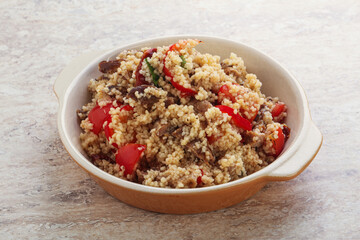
column 300, row 149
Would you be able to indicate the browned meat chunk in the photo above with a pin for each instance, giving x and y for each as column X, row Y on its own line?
column 193, row 148
column 200, row 106
column 100, row 156
column 169, row 101
column 102, row 77
column 260, row 114
column 254, row 139
column 165, row 129
column 109, row 66
column 82, row 114
column 121, row 89
column 146, row 101
column 230, row 70
column 178, row 132
column 199, row 153
column 286, row 132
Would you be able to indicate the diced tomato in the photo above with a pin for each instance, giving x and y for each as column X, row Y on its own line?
column 166, row 70
column 252, row 114
column 97, row 116
column 278, row 109
column 181, row 45
column 177, row 47
column 211, row 139
column 109, row 131
column 125, row 108
column 199, row 178
column 278, row 143
column 129, row 156
column 224, row 93
column 140, row 79
column 185, row 91
column 238, row 120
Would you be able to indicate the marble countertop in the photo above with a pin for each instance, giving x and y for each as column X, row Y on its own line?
column 44, row 194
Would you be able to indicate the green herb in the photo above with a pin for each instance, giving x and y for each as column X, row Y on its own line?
column 155, row 77
column 183, row 62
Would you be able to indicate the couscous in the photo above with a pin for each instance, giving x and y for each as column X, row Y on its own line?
column 173, row 117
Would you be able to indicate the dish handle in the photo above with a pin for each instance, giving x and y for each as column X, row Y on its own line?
column 71, row 71
column 302, row 157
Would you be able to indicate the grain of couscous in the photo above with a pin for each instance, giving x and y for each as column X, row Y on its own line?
column 173, row 117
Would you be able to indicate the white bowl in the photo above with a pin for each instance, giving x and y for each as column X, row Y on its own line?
column 300, row 149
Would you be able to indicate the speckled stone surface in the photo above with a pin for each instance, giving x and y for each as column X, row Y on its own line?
column 44, row 194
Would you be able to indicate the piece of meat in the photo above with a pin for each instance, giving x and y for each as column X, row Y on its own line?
column 164, row 129
column 140, row 89
column 121, row 89
column 191, row 146
column 230, row 70
column 109, row 66
column 253, row 139
column 260, row 114
column 143, row 166
column 82, row 114
column 102, row 77
column 203, row 124
column 200, row 106
column 101, row 156
column 199, row 153
column 140, row 176
column 169, row 101
column 286, row 131
column 146, row 101
column 178, row 132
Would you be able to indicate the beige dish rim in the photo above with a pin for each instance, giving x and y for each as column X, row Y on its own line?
column 263, row 173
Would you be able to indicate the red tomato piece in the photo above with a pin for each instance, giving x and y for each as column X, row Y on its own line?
column 278, row 109
column 211, row 139
column 129, row 156
column 109, row 131
column 127, row 108
column 184, row 91
column 199, row 179
column 166, row 70
column 97, row 116
column 238, row 120
column 140, row 79
column 224, row 92
column 253, row 115
column 181, row 44
column 278, row 143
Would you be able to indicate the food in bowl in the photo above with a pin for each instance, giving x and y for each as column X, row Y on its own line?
column 173, row 117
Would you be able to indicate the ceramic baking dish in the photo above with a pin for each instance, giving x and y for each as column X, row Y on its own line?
column 299, row 151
